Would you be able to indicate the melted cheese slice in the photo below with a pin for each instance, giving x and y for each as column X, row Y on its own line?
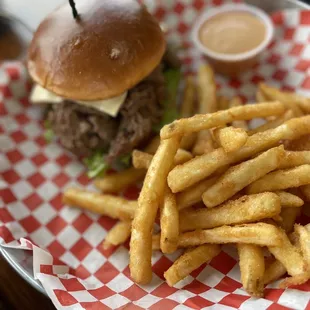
column 109, row 106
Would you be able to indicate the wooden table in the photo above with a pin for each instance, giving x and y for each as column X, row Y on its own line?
column 16, row 293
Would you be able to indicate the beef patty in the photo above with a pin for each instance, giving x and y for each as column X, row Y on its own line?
column 83, row 130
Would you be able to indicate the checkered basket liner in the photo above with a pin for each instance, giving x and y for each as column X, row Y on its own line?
column 67, row 254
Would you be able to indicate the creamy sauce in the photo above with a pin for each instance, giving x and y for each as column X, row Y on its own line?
column 233, row 32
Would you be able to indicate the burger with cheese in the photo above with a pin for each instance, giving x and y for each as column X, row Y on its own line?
column 104, row 76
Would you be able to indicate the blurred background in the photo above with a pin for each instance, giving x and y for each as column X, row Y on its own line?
column 19, row 18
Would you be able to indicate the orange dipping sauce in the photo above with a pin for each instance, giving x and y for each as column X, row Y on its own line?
column 233, row 32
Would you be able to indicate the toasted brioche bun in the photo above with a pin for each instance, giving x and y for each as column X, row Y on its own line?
column 111, row 47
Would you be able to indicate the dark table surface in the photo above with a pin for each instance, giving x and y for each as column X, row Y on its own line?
column 14, row 292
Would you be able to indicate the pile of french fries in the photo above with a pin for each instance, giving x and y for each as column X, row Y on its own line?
column 211, row 180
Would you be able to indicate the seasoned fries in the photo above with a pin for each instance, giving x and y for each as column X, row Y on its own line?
column 252, row 268
column 245, row 209
column 206, row 121
column 150, row 197
column 116, row 182
column 152, row 147
column 117, row 235
column 193, row 194
column 260, row 234
column 281, row 179
column 236, row 102
column 303, row 235
column 253, row 183
column 274, row 94
column 288, row 216
column 189, row 261
column 200, row 167
column 206, row 90
column 238, row 177
column 293, row 159
column 169, row 223
column 289, row 200
column 188, row 141
column 305, row 190
column 187, row 107
column 112, row 206
column 290, row 257
column 273, row 123
column 230, row 138
column 273, row 272
column 223, row 103
column 142, row 160
column 207, row 104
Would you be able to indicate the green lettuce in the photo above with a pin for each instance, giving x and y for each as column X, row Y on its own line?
column 48, row 133
column 172, row 79
column 96, row 164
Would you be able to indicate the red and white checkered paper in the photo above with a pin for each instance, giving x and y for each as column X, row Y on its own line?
column 78, row 273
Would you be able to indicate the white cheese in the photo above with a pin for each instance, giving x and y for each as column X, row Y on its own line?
column 109, row 106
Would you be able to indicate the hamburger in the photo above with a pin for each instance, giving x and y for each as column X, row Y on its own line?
column 105, row 76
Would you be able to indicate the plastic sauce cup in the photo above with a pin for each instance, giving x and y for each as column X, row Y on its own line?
column 232, row 64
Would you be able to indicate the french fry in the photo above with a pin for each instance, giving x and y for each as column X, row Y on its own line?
column 150, row 197
column 112, row 206
column 204, row 143
column 187, row 107
column 117, row 235
column 305, row 190
column 194, row 193
column 169, row 223
column 289, row 200
column 152, row 147
column 206, row 90
column 273, row 123
column 187, row 110
column 236, row 102
column 188, row 141
column 207, row 104
column 200, row 167
column 189, row 261
column 260, row 234
column 116, row 182
column 260, row 96
column 293, row 159
column 223, row 103
column 300, row 144
column 252, row 268
column 239, row 176
column 289, row 216
column 274, row 272
column 290, row 257
column 142, row 160
column 272, row 93
column 303, row 235
column 206, row 121
column 182, row 157
column 230, row 138
column 281, row 179
column 156, row 242
column 245, row 209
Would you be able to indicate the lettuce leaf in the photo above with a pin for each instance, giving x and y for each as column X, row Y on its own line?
column 96, row 164
column 172, row 78
column 125, row 160
column 48, row 133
